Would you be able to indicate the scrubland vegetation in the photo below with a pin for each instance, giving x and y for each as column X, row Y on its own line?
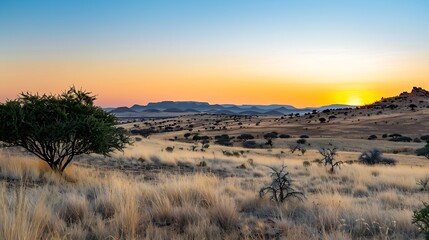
column 149, row 193
column 211, row 176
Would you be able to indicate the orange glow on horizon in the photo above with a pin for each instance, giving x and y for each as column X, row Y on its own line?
column 124, row 83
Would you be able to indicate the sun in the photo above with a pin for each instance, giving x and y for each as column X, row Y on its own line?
column 355, row 101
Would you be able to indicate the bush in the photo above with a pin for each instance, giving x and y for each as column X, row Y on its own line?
column 169, row 149
column 269, row 137
column 423, row 152
column 395, row 135
column 401, row 139
column 223, row 140
column 280, row 188
column 304, row 136
column 143, row 132
column 421, row 219
column 245, row 137
column 284, row 136
column 186, row 135
column 301, row 141
column 375, row 156
column 306, row 164
column 249, row 144
column 56, row 128
column 372, row 137
column 424, row 137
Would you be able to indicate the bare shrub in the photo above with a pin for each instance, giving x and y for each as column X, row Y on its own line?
column 280, row 188
column 329, row 158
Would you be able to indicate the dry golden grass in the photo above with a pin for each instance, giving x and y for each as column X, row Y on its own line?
column 97, row 200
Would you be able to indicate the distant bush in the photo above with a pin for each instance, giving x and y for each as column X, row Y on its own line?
column 249, row 144
column 245, row 137
column 412, row 106
column 375, row 156
column 395, row 135
column 306, row 164
column 423, row 151
column 301, row 141
column 284, row 136
column 143, row 132
column 196, row 137
column 425, row 137
column 186, row 135
column 401, row 139
column 417, row 140
column 224, row 140
column 304, row 136
column 269, row 137
column 372, row 137
column 169, row 149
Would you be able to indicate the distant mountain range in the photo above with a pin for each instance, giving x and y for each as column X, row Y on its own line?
column 417, row 98
column 177, row 108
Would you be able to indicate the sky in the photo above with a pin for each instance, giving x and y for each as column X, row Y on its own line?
column 301, row 52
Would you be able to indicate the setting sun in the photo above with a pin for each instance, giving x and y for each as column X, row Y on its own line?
column 355, row 101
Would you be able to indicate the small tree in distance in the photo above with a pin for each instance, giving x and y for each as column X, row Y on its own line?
column 269, row 137
column 56, row 128
column 329, row 158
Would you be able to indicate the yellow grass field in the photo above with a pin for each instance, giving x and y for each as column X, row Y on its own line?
column 147, row 192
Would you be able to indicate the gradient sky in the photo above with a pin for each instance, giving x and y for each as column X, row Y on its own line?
column 304, row 53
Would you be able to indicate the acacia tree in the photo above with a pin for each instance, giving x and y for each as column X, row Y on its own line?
column 56, row 128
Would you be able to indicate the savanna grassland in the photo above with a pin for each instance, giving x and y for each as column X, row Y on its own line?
column 171, row 186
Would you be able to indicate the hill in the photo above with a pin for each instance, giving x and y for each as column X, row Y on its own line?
column 417, row 98
column 122, row 110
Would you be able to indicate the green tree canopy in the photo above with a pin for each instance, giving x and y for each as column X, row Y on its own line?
column 56, row 128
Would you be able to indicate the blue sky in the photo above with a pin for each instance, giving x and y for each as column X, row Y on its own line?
column 183, row 26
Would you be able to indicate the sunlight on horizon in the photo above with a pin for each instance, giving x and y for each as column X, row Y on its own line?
column 354, row 101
